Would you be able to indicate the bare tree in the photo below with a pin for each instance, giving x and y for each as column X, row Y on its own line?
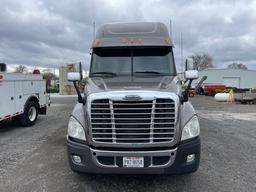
column 202, row 62
column 237, row 66
column 48, row 76
column 21, row 69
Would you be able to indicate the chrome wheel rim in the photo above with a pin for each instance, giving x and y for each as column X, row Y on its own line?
column 32, row 113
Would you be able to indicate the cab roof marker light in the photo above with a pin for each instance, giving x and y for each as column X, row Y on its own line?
column 167, row 40
column 124, row 40
column 97, row 42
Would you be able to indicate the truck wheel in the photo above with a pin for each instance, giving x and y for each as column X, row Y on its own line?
column 29, row 117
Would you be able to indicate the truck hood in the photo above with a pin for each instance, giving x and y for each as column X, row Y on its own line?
column 155, row 83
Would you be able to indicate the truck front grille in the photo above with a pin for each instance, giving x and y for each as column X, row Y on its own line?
column 149, row 121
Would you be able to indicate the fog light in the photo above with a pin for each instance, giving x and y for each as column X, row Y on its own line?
column 77, row 159
column 190, row 158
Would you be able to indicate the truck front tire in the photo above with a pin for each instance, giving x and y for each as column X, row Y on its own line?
column 29, row 117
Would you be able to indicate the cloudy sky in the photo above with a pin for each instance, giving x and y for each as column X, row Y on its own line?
column 51, row 33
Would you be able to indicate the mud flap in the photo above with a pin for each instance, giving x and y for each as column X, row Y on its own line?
column 42, row 110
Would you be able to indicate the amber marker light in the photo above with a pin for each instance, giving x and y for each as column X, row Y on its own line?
column 139, row 40
column 124, row 40
column 97, row 42
column 167, row 40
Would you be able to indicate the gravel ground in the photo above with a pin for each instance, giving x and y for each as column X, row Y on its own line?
column 34, row 158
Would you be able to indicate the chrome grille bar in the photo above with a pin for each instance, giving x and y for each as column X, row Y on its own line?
column 132, row 123
column 170, row 108
column 133, row 118
column 152, row 121
column 95, row 128
column 129, row 113
column 134, row 133
column 113, row 127
column 107, row 138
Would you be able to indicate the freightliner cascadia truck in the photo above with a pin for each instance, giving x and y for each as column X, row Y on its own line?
column 134, row 117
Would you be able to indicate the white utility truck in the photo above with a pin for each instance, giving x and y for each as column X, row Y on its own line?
column 22, row 97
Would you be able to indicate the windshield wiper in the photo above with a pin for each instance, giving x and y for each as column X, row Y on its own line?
column 103, row 73
column 148, row 72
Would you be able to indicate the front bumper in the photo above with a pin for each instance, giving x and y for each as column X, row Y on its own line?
column 170, row 161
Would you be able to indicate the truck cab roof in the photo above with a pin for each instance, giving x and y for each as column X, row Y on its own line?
column 132, row 34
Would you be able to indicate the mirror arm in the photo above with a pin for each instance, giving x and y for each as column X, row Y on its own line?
column 80, row 98
column 185, row 94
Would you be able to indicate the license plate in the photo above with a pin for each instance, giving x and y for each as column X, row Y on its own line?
column 133, row 161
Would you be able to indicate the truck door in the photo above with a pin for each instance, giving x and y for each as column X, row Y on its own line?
column 43, row 98
column 30, row 87
column 19, row 98
column 7, row 98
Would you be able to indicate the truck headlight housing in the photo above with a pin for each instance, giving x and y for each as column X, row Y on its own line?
column 75, row 129
column 191, row 129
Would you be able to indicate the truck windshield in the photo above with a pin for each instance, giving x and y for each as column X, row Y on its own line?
column 137, row 61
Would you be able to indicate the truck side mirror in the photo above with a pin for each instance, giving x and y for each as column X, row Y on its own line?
column 74, row 77
column 190, row 75
column 189, row 65
column 190, row 72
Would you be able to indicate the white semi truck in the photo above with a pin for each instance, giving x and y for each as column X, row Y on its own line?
column 22, row 97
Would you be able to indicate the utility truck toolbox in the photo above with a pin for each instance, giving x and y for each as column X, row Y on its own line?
column 134, row 117
column 22, row 97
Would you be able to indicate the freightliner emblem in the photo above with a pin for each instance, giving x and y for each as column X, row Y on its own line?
column 132, row 98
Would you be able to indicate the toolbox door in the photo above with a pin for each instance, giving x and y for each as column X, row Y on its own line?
column 7, row 99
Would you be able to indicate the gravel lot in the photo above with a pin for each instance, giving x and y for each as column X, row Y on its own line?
column 34, row 158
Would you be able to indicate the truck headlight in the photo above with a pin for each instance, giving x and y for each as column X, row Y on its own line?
column 191, row 129
column 75, row 129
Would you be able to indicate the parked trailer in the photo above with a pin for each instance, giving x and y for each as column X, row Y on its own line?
column 246, row 97
column 22, row 97
column 213, row 89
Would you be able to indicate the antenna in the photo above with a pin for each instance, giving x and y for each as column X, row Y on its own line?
column 171, row 29
column 181, row 51
column 93, row 30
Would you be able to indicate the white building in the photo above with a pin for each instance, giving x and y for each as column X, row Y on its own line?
column 238, row 78
column 66, row 87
